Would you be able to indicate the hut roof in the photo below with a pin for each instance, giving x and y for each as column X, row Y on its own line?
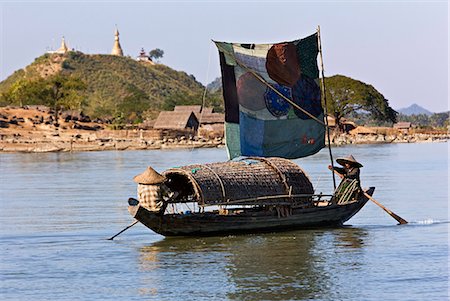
column 212, row 127
column 207, row 110
column 331, row 121
column 208, row 118
column 240, row 181
column 362, row 130
column 402, row 125
column 348, row 122
column 174, row 120
column 195, row 109
column 147, row 124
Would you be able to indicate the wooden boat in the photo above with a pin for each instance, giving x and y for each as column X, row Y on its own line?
column 248, row 221
column 273, row 112
column 279, row 198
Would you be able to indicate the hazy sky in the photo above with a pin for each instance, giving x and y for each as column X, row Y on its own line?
column 400, row 47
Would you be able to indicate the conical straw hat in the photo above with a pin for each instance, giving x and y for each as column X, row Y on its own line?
column 149, row 176
column 350, row 159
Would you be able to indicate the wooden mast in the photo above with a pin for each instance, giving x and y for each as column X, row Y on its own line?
column 324, row 95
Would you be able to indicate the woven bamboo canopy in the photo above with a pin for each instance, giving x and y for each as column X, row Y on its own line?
column 241, row 182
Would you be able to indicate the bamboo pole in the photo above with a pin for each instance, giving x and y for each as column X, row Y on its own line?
column 324, row 95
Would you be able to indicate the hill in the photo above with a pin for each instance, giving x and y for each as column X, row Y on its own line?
column 414, row 109
column 106, row 86
column 215, row 85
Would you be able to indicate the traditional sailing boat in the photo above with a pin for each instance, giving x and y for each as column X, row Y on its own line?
column 273, row 113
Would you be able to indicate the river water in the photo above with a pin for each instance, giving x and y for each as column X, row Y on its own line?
column 57, row 209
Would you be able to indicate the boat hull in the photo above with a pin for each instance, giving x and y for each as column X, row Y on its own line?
column 209, row 224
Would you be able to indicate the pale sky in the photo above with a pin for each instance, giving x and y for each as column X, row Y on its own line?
column 400, row 47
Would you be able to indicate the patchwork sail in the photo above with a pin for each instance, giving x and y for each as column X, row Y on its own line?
column 272, row 98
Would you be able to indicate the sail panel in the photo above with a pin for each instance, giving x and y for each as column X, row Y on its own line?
column 256, row 80
column 272, row 138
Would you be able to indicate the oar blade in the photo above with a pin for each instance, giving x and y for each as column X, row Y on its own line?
column 400, row 220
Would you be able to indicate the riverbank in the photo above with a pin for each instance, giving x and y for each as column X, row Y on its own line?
column 34, row 131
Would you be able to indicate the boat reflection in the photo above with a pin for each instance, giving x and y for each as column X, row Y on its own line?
column 299, row 265
column 278, row 267
column 350, row 239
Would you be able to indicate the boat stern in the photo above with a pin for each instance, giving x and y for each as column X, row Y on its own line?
column 149, row 219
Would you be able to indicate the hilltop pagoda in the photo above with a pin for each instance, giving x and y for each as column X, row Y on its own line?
column 62, row 49
column 117, row 49
column 143, row 57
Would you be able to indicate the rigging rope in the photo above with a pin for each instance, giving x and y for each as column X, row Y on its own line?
column 206, row 85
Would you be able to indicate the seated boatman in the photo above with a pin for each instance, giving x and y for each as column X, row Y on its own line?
column 152, row 192
column 350, row 169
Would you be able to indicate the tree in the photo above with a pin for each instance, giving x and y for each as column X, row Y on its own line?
column 347, row 96
column 131, row 107
column 64, row 92
column 26, row 92
column 156, row 54
column 58, row 91
column 440, row 120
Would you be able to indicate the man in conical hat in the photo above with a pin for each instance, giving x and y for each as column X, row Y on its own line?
column 152, row 192
column 350, row 169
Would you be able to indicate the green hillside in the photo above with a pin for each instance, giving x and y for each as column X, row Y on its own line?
column 106, row 86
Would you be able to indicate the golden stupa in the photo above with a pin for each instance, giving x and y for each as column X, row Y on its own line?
column 63, row 49
column 117, row 50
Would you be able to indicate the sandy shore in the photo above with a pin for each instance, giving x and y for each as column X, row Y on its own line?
column 33, row 131
column 57, row 142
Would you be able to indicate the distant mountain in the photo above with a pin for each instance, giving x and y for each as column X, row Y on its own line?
column 215, row 85
column 414, row 109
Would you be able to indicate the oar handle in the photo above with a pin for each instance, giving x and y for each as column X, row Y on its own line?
column 336, row 172
column 128, row 227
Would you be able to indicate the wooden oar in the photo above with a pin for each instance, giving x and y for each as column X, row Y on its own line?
column 400, row 220
column 128, row 227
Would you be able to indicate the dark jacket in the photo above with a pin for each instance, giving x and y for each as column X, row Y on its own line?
column 352, row 173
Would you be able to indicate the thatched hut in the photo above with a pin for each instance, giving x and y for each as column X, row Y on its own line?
column 362, row 130
column 211, row 125
column 212, row 118
column 176, row 120
column 345, row 125
column 194, row 108
column 403, row 127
